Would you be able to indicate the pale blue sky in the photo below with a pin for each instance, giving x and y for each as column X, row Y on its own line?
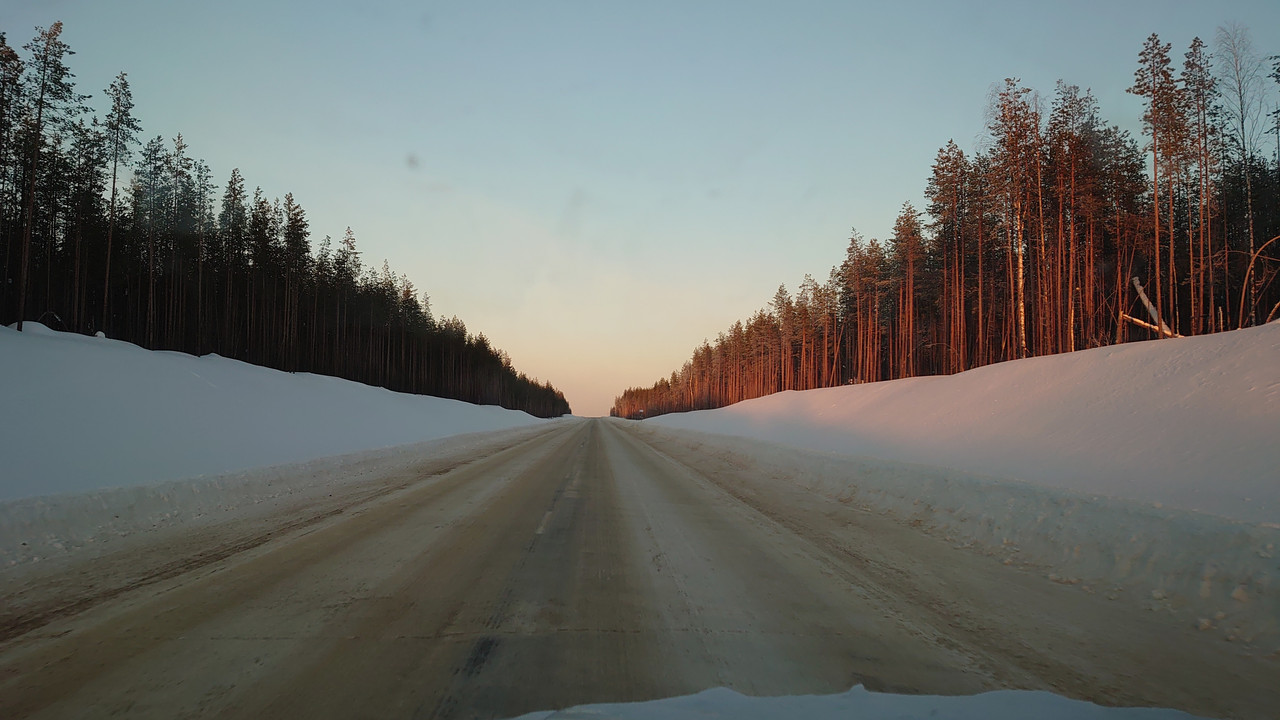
column 598, row 186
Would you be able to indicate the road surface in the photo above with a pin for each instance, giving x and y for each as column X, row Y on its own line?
column 588, row 563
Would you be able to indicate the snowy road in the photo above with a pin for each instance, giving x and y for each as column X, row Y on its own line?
column 586, row 564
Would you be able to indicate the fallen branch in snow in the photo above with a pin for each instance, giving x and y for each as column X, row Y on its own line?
column 1155, row 314
column 1142, row 323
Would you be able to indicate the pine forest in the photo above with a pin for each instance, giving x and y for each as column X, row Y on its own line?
column 1061, row 232
column 101, row 231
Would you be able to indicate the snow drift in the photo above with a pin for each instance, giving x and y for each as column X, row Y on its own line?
column 1189, row 423
column 102, row 440
column 84, row 413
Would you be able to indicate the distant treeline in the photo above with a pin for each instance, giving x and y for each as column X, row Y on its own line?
column 1029, row 246
column 96, row 239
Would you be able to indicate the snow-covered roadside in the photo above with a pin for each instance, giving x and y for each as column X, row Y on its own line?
column 101, row 440
column 85, row 414
column 1199, row 567
column 1189, row 423
column 1149, row 472
column 78, row 526
column 861, row 704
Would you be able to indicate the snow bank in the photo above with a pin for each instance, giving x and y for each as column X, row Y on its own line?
column 1211, row 572
column 82, row 414
column 56, row 527
column 864, row 705
column 1148, row 471
column 1188, row 423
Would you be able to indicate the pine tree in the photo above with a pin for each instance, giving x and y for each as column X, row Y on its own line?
column 122, row 131
column 908, row 253
column 1015, row 127
column 10, row 100
column 1153, row 81
column 233, row 222
column 86, row 181
column 946, row 192
column 297, row 253
column 202, row 179
column 784, row 311
column 150, row 199
column 53, row 102
column 1070, row 136
column 1198, row 85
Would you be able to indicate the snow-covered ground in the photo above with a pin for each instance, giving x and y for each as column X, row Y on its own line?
column 861, row 704
column 1148, row 472
column 101, row 440
column 1189, row 423
column 84, row 413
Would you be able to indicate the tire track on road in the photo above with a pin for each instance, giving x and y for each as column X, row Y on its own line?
column 41, row 671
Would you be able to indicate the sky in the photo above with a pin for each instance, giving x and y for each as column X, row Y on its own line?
column 600, row 186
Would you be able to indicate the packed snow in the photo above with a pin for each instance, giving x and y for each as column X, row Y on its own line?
column 88, row 413
column 861, row 704
column 1186, row 423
